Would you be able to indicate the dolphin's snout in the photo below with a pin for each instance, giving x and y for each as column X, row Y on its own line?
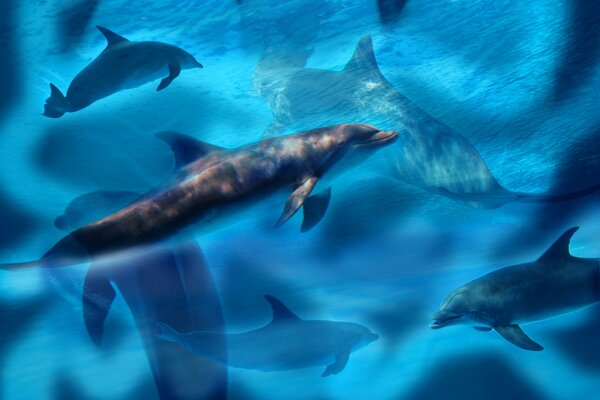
column 380, row 138
column 442, row 319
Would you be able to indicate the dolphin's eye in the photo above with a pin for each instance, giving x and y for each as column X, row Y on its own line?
column 341, row 142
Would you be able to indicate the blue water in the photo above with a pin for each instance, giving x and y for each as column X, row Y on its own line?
column 519, row 80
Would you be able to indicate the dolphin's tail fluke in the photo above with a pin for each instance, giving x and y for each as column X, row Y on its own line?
column 167, row 333
column 56, row 105
column 65, row 252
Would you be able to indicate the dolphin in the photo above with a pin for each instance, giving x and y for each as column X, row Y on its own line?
column 213, row 183
column 428, row 155
column 554, row 284
column 287, row 342
column 121, row 65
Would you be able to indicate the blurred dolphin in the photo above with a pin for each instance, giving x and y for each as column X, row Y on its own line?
column 554, row 284
column 287, row 342
column 122, row 65
column 428, row 154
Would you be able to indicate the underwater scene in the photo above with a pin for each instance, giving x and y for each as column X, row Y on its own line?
column 299, row 199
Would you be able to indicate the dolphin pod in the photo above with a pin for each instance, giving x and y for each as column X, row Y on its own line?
column 123, row 64
column 554, row 284
column 287, row 342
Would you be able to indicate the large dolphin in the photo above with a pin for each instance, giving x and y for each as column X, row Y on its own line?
column 554, row 284
column 428, row 155
column 213, row 183
column 287, row 342
column 122, row 65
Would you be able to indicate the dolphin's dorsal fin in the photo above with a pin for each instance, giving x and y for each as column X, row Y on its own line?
column 111, row 37
column 280, row 310
column 186, row 148
column 559, row 249
column 363, row 57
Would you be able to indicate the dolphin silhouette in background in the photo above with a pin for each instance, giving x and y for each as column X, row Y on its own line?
column 213, row 183
column 169, row 282
column 287, row 342
column 428, row 154
column 554, row 284
column 122, row 65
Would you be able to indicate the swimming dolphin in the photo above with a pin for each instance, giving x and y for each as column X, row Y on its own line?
column 287, row 342
column 554, row 284
column 428, row 154
column 213, row 183
column 122, row 65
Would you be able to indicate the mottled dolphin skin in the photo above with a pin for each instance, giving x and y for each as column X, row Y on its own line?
column 212, row 181
column 428, row 154
column 554, row 284
column 122, row 65
column 287, row 342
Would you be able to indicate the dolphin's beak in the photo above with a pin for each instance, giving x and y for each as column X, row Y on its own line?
column 379, row 138
column 374, row 337
column 198, row 65
column 442, row 319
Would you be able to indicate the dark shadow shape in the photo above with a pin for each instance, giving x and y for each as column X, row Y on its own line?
column 356, row 215
column 397, row 320
column 582, row 49
column 482, row 376
column 17, row 224
column 73, row 20
column 171, row 283
column 390, row 11
column 67, row 388
column 581, row 343
column 10, row 89
column 16, row 319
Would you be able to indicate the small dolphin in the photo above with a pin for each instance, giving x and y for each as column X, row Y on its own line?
column 429, row 154
column 122, row 65
column 287, row 342
column 554, row 284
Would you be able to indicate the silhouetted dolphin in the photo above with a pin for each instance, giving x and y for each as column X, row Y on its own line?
column 287, row 342
column 554, row 284
column 428, row 154
column 122, row 65
column 169, row 282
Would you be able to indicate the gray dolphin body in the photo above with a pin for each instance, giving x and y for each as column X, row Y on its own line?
column 287, row 342
column 554, row 284
column 122, row 65
column 428, row 155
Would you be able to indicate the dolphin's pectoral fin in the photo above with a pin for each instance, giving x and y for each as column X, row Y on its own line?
column 515, row 335
column 341, row 360
column 111, row 37
column 297, row 199
column 186, row 148
column 174, row 71
column 314, row 208
column 98, row 295
column 482, row 328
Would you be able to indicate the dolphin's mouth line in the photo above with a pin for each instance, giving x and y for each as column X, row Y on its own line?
column 442, row 322
column 379, row 138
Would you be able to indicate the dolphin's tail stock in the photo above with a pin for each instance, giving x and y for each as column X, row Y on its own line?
column 56, row 105
column 550, row 198
column 65, row 252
